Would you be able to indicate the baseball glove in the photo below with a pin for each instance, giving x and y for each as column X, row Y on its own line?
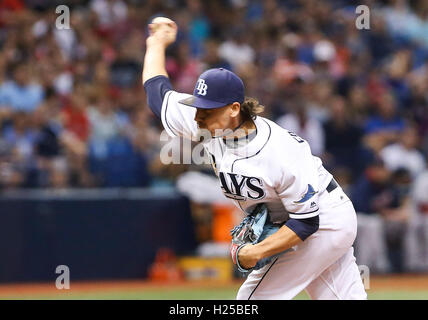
column 254, row 228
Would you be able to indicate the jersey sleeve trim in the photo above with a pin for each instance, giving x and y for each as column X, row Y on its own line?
column 164, row 116
column 303, row 215
column 304, row 227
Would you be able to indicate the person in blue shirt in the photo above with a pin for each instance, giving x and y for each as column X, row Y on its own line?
column 386, row 119
column 20, row 94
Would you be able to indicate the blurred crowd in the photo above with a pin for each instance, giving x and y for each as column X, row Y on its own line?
column 73, row 112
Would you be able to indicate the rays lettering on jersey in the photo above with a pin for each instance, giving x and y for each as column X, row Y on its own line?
column 239, row 187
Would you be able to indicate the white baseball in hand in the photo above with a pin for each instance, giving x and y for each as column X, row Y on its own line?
column 162, row 30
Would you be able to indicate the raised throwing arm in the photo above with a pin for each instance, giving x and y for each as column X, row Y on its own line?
column 162, row 32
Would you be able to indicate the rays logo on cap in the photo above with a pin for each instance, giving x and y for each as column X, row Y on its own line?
column 224, row 86
column 202, row 87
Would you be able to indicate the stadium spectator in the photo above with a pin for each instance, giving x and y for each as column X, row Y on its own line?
column 386, row 120
column 417, row 236
column 21, row 93
column 404, row 153
column 310, row 129
column 236, row 49
column 199, row 27
column 183, row 69
column 370, row 245
column 395, row 212
column 212, row 58
column 287, row 67
column 75, row 118
column 342, row 138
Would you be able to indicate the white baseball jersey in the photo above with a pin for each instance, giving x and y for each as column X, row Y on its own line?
column 276, row 167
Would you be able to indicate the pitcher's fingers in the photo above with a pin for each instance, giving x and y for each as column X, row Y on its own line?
column 151, row 28
column 158, row 25
column 173, row 25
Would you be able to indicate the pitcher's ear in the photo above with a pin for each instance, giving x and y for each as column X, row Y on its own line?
column 235, row 109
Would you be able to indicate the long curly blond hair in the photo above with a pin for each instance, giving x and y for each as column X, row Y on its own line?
column 251, row 107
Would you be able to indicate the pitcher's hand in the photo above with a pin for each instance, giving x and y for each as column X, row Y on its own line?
column 162, row 31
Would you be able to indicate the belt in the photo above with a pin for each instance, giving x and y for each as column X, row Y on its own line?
column 332, row 185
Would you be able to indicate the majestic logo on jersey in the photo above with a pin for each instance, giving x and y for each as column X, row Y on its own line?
column 309, row 194
column 202, row 87
column 240, row 187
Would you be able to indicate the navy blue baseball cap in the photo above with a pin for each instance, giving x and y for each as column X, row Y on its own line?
column 216, row 88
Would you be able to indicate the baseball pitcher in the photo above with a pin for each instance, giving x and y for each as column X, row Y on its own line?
column 299, row 225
